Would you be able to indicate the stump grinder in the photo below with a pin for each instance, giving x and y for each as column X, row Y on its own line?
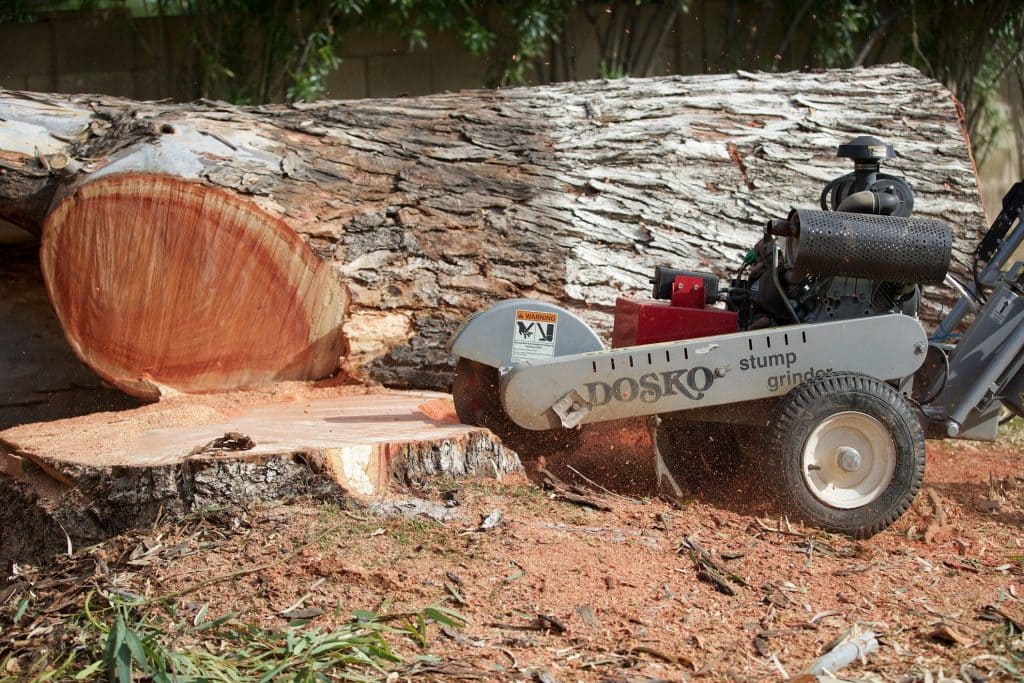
column 809, row 365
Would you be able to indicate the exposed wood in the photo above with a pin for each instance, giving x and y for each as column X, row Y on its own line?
column 427, row 209
column 40, row 377
column 163, row 286
column 83, row 479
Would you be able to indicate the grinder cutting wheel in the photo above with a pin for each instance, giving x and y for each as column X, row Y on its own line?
column 809, row 365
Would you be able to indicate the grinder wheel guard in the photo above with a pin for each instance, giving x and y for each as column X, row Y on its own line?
column 881, row 248
column 476, row 394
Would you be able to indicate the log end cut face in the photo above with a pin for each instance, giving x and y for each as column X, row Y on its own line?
column 165, row 285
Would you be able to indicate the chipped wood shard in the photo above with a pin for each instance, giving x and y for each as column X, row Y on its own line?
column 431, row 208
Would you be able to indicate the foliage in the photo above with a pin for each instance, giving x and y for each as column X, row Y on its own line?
column 125, row 640
column 17, row 11
column 251, row 51
column 1006, row 645
column 970, row 45
column 315, row 65
column 631, row 35
column 988, row 43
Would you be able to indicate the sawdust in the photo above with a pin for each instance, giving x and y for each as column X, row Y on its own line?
column 630, row 603
column 440, row 410
column 589, row 594
column 624, row 567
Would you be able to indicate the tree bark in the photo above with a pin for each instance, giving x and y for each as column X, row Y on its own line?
column 205, row 246
column 81, row 480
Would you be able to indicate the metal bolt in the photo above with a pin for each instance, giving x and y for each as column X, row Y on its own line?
column 952, row 429
column 848, row 458
column 720, row 372
column 920, row 347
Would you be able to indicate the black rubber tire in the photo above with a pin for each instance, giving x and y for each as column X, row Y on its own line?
column 700, row 456
column 800, row 411
column 477, row 402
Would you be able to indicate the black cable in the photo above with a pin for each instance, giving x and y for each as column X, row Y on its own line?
column 980, row 294
column 778, row 285
column 829, row 187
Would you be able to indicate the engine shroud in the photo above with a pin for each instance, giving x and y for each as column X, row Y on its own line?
column 878, row 248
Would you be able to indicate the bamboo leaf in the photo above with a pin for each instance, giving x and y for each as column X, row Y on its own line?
column 88, row 671
column 364, row 615
column 114, row 639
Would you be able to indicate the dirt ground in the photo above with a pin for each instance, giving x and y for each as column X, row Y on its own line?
column 559, row 591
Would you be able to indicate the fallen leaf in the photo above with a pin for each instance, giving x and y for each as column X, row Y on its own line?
column 945, row 633
column 307, row 613
column 588, row 616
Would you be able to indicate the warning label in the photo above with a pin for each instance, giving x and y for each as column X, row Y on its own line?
column 534, row 335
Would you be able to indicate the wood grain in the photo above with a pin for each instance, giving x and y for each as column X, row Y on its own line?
column 167, row 285
column 85, row 479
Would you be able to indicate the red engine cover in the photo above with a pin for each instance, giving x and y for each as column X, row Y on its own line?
column 651, row 321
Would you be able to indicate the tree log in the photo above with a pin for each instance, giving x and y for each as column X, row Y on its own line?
column 160, row 282
column 205, row 246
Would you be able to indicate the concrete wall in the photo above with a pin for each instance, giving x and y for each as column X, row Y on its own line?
column 144, row 58
column 73, row 52
column 147, row 58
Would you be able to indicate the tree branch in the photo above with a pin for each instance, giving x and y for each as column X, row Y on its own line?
column 787, row 38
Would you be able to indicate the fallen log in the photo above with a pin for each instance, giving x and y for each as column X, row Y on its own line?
column 201, row 247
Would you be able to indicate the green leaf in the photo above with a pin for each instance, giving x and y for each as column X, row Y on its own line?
column 134, row 646
column 22, row 608
column 124, row 664
column 214, row 623
column 446, row 616
column 110, row 649
column 364, row 615
column 88, row 671
column 272, row 674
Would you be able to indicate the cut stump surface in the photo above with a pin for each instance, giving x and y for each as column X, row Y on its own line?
column 83, row 479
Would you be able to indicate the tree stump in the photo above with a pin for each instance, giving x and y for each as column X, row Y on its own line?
column 79, row 480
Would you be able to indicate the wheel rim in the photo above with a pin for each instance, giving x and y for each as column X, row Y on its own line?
column 848, row 460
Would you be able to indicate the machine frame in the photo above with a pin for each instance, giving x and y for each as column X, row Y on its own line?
column 838, row 419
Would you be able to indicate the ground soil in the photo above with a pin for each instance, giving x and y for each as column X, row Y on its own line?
column 558, row 591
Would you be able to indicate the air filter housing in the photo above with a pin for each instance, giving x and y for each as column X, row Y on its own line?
column 880, row 248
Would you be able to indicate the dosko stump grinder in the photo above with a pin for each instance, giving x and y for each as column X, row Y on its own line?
column 808, row 366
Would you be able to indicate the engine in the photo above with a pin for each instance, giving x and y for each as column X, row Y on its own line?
column 860, row 254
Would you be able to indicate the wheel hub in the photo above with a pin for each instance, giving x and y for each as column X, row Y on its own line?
column 848, row 460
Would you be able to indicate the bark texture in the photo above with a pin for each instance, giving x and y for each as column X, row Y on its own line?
column 427, row 209
column 81, row 480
